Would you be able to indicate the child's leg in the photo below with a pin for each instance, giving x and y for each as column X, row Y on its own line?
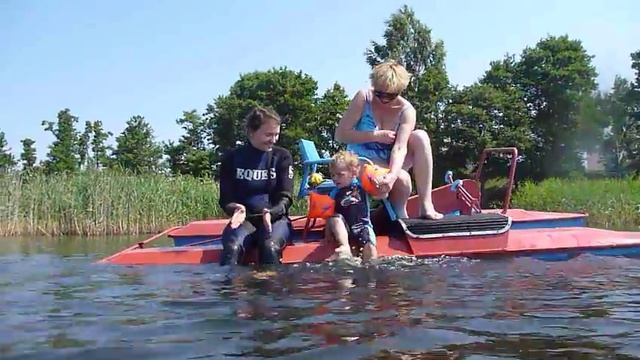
column 337, row 230
column 369, row 250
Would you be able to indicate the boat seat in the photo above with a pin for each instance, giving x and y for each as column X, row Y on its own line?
column 310, row 161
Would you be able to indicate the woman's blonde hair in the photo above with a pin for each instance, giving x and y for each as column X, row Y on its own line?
column 390, row 77
column 345, row 159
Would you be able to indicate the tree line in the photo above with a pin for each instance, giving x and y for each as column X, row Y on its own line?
column 544, row 101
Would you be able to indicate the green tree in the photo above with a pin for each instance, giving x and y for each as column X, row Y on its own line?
column 408, row 41
column 481, row 116
column 330, row 107
column 98, row 147
column 555, row 76
column 592, row 123
column 513, row 126
column 224, row 122
column 635, row 88
column 555, row 80
column 28, row 155
column 615, row 108
column 62, row 156
column 632, row 142
column 176, row 153
column 503, row 74
column 83, row 145
column 291, row 94
column 7, row 161
column 191, row 154
column 136, row 149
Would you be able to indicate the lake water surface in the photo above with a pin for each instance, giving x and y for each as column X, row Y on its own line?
column 55, row 303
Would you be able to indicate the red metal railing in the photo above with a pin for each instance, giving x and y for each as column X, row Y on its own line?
column 512, row 170
column 139, row 245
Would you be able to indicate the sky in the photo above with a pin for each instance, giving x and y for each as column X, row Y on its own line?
column 110, row 60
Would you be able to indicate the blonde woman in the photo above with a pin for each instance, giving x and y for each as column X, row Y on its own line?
column 380, row 125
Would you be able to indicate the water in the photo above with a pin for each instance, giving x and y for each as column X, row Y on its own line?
column 57, row 304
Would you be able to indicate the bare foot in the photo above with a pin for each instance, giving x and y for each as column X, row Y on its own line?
column 431, row 213
column 369, row 252
column 341, row 252
column 263, row 275
column 433, row 216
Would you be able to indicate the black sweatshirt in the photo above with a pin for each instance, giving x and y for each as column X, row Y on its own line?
column 258, row 180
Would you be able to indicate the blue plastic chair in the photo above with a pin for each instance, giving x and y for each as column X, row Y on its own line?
column 310, row 161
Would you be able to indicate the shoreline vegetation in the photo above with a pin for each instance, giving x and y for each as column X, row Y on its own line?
column 611, row 203
column 99, row 203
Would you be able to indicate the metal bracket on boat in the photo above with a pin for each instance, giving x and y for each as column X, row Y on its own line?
column 448, row 178
column 462, row 193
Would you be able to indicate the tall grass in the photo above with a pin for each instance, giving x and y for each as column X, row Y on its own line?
column 610, row 203
column 104, row 203
column 113, row 203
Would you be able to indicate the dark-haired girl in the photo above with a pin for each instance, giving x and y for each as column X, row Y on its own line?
column 256, row 182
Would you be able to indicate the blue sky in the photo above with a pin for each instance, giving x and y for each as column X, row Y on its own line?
column 110, row 60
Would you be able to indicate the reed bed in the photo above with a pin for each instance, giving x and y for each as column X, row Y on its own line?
column 104, row 203
column 611, row 203
column 115, row 203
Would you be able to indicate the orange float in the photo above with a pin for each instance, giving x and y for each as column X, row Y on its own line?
column 368, row 176
column 320, row 206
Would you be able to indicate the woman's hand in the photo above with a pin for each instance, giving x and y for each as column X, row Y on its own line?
column 266, row 220
column 385, row 136
column 385, row 182
column 239, row 216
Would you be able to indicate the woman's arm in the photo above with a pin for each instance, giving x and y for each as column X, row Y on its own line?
column 284, row 187
column 345, row 132
column 399, row 150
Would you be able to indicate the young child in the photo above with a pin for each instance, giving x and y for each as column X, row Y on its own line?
column 351, row 220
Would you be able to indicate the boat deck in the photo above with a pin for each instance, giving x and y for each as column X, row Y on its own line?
column 206, row 229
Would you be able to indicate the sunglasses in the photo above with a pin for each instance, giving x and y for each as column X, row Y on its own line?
column 385, row 95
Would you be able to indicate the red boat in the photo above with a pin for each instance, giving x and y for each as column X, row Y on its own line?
column 467, row 230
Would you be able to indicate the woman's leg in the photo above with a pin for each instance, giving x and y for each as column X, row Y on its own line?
column 420, row 156
column 400, row 194
column 270, row 246
column 233, row 243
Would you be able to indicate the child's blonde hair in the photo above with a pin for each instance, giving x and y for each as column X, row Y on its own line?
column 390, row 77
column 345, row 159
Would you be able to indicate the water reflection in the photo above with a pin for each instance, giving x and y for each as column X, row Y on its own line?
column 62, row 305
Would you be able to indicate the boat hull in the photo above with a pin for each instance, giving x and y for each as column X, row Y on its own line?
column 543, row 243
